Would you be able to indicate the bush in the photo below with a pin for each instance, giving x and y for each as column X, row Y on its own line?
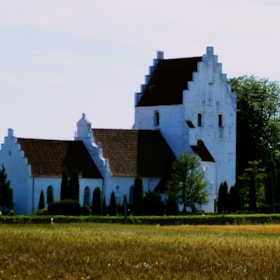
column 42, row 212
column 65, row 207
column 86, row 211
column 152, row 204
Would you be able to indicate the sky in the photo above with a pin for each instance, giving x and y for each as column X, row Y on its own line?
column 62, row 58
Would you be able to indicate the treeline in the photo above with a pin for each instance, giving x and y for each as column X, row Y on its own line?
column 257, row 186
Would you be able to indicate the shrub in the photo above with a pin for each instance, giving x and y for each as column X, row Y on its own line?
column 86, row 211
column 42, row 212
column 64, row 207
column 152, row 204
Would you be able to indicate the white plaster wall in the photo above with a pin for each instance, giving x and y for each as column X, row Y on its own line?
column 171, row 125
column 210, row 94
column 18, row 172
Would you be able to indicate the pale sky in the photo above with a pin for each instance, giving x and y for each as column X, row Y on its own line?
column 62, row 58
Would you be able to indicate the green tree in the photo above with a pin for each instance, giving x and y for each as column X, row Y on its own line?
column 253, row 189
column 171, row 205
column 104, row 207
column 223, row 198
column 64, row 189
column 96, row 202
column 137, row 196
column 152, row 204
column 187, row 182
column 41, row 201
column 74, row 186
column 112, row 205
column 234, row 199
column 6, row 193
column 258, row 126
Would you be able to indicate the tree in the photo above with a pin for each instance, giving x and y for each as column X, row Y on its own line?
column 96, row 202
column 6, row 193
column 64, row 189
column 258, row 126
column 152, row 204
column 74, row 186
column 171, row 205
column 137, row 196
column 223, row 198
column 104, row 207
column 253, row 189
column 234, row 199
column 112, row 205
column 187, row 182
column 41, row 201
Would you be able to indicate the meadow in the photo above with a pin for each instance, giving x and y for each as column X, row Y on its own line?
column 115, row 251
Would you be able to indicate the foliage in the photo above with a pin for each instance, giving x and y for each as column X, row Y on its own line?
column 258, row 126
column 187, row 182
column 86, row 210
column 223, row 198
column 152, row 204
column 74, row 186
column 64, row 192
column 234, row 199
column 96, row 202
column 41, row 201
column 171, row 207
column 253, row 189
column 137, row 197
column 6, row 193
column 50, row 194
column 104, row 207
column 64, row 207
column 112, row 205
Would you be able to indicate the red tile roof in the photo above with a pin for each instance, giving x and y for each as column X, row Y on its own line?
column 201, row 150
column 48, row 157
column 168, row 80
column 135, row 152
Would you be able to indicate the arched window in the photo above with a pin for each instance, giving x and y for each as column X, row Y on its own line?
column 49, row 194
column 87, row 196
column 156, row 118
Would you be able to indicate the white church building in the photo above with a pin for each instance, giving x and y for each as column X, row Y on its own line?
column 185, row 105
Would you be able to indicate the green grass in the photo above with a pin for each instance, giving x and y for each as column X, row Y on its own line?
column 114, row 251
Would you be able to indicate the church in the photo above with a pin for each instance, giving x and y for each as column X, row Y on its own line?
column 185, row 105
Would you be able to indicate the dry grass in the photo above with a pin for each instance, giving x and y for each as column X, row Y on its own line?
column 104, row 251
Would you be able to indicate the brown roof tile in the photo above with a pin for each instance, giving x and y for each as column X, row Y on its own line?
column 48, row 157
column 135, row 152
column 168, row 80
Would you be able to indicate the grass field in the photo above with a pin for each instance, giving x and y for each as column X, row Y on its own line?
column 106, row 251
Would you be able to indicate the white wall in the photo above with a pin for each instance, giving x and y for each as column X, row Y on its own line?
column 18, row 172
column 210, row 94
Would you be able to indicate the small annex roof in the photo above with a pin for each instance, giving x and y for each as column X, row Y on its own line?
column 201, row 150
column 135, row 152
column 168, row 80
column 48, row 157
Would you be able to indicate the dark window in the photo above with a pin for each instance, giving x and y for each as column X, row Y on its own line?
column 156, row 118
column 199, row 119
column 86, row 197
column 220, row 120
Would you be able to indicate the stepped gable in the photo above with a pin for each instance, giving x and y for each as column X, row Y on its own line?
column 48, row 157
column 135, row 152
column 169, row 78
